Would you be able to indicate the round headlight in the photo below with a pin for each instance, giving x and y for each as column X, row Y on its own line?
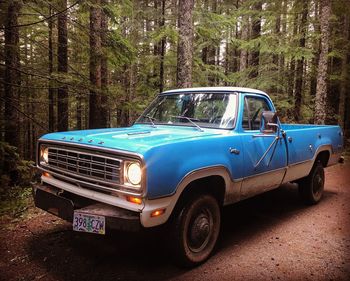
column 134, row 173
column 44, row 155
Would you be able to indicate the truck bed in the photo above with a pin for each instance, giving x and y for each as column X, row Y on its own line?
column 304, row 140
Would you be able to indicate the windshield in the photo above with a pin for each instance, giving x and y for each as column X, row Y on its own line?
column 210, row 110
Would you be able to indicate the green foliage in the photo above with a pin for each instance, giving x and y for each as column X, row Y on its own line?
column 15, row 170
column 134, row 37
column 14, row 201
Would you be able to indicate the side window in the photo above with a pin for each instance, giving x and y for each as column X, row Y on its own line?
column 253, row 108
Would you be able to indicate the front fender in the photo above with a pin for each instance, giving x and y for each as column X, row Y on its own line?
column 232, row 190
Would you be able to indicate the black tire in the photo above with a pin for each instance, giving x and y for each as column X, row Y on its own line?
column 311, row 187
column 196, row 230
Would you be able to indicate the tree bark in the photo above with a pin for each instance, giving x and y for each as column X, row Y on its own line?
column 51, row 90
column 344, row 76
column 162, row 50
column 243, row 58
column 185, row 44
column 321, row 89
column 300, row 62
column 281, row 62
column 212, row 51
column 104, row 110
column 12, row 75
column 62, row 67
column 255, row 33
column 79, row 112
column 95, row 66
column 27, row 100
column 291, row 74
column 316, row 54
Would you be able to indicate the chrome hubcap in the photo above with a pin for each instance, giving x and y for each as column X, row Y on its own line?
column 199, row 231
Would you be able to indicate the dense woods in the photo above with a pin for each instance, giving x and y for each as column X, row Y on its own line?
column 68, row 65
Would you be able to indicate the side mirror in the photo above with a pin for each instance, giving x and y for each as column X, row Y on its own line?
column 269, row 122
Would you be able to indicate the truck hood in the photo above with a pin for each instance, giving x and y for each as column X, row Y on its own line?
column 137, row 139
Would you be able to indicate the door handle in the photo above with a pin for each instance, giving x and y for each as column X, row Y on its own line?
column 234, row 151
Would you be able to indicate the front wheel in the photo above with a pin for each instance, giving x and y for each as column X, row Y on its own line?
column 311, row 187
column 196, row 230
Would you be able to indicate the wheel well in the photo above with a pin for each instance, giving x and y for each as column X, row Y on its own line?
column 213, row 185
column 323, row 157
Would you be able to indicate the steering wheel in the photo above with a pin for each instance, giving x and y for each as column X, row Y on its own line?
column 216, row 119
column 252, row 120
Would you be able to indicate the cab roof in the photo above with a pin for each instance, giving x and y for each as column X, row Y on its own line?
column 215, row 89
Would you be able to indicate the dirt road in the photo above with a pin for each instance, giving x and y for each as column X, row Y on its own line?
column 270, row 237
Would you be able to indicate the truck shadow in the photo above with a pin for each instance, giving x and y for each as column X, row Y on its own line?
column 68, row 255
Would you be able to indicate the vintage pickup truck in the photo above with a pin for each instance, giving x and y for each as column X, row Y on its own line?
column 190, row 153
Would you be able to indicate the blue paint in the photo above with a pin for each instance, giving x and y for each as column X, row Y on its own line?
column 171, row 152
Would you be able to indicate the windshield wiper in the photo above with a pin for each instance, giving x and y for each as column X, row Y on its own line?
column 190, row 120
column 151, row 119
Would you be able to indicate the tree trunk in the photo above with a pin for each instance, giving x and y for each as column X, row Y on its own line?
column 243, row 58
column 321, row 89
column 79, row 112
column 104, row 68
column 28, row 101
column 344, row 76
column 281, row 62
column 212, row 52
column 162, row 50
column 62, row 67
column 185, row 44
column 95, row 66
column 51, row 90
column 316, row 54
column 204, row 52
column 300, row 63
column 255, row 33
column 276, row 57
column 291, row 74
column 12, row 75
column 277, row 29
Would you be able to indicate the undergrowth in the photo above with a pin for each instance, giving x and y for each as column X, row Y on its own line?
column 14, row 201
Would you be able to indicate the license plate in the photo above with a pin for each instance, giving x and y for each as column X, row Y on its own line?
column 89, row 223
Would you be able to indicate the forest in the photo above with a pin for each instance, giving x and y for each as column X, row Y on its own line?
column 71, row 65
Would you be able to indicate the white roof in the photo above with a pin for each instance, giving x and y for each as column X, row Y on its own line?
column 216, row 89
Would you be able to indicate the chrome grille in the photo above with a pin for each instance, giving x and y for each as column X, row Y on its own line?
column 85, row 164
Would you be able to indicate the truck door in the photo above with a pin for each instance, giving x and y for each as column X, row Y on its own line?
column 262, row 170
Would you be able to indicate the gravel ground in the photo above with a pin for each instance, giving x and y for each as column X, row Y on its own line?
column 269, row 237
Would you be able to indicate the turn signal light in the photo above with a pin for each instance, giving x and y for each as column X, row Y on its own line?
column 46, row 174
column 157, row 213
column 135, row 200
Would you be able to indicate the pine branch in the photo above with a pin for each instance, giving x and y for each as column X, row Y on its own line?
column 45, row 19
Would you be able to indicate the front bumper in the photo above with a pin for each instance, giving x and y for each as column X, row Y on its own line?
column 63, row 204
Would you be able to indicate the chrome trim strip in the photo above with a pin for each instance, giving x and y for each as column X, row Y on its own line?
column 264, row 173
column 94, row 195
column 260, row 183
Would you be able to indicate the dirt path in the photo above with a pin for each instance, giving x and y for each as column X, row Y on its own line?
column 270, row 237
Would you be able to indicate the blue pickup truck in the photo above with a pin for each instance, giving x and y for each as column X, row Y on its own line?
column 190, row 153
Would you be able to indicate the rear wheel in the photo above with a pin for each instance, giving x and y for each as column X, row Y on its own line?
column 196, row 230
column 311, row 187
